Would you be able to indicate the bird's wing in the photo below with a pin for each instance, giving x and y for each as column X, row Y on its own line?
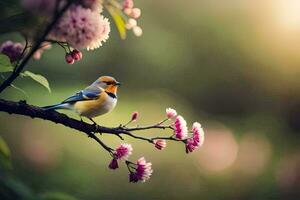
column 89, row 93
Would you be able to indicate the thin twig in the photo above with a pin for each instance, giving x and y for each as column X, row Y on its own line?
column 156, row 126
column 35, row 47
column 22, row 108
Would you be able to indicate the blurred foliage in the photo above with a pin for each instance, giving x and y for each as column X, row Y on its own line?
column 231, row 65
column 4, row 155
column 5, row 65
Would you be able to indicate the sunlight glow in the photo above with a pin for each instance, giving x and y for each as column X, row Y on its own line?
column 288, row 13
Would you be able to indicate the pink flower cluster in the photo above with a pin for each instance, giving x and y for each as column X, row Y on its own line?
column 142, row 172
column 197, row 139
column 82, row 28
column 128, row 9
column 181, row 131
column 139, row 171
column 122, row 152
column 134, row 14
column 12, row 50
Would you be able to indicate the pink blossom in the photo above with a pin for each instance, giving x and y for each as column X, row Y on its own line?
column 134, row 116
column 198, row 134
column 143, row 171
column 12, row 50
column 123, row 151
column 171, row 113
column 160, row 144
column 82, row 28
column 197, row 139
column 113, row 164
column 180, row 128
column 190, row 147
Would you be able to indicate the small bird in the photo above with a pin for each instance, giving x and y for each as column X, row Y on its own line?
column 97, row 99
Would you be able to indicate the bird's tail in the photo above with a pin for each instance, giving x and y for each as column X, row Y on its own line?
column 57, row 106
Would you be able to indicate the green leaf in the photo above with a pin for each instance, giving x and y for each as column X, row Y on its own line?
column 20, row 90
column 4, row 150
column 38, row 78
column 5, row 65
column 118, row 19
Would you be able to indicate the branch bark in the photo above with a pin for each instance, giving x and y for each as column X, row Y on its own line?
column 22, row 108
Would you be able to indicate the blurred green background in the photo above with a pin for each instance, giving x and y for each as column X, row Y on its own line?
column 232, row 65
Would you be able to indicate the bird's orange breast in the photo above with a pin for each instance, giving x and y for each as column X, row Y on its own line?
column 93, row 108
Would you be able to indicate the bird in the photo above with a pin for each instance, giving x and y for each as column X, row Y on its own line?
column 97, row 99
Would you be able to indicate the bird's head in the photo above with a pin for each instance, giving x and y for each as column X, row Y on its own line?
column 108, row 83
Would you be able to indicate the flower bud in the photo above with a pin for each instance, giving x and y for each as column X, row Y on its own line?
column 131, row 23
column 135, row 13
column 113, row 164
column 134, row 116
column 171, row 113
column 137, row 31
column 160, row 144
column 69, row 58
column 76, row 55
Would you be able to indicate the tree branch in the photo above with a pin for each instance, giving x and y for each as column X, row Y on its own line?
column 34, row 48
column 22, row 108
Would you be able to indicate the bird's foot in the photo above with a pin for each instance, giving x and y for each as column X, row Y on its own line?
column 94, row 123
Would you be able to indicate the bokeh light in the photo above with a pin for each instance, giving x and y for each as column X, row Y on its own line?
column 39, row 150
column 219, row 150
column 254, row 154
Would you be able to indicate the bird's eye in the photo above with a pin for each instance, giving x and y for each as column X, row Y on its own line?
column 109, row 83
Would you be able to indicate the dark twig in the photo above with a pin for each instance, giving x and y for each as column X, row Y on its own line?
column 22, row 108
column 35, row 47
column 138, row 128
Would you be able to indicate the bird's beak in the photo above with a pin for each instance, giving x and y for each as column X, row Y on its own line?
column 118, row 83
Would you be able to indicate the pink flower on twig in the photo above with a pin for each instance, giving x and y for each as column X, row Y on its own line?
column 143, row 171
column 180, row 128
column 160, row 144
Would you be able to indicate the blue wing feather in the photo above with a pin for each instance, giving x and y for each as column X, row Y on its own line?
column 84, row 95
